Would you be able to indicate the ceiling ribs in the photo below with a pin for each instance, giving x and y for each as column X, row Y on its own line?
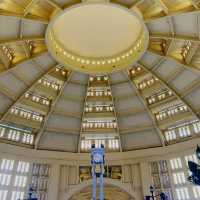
column 99, row 95
column 115, row 113
column 172, row 40
column 34, row 2
column 137, row 2
column 193, row 111
column 27, row 9
column 171, row 25
column 44, row 124
column 82, row 116
column 194, row 3
column 21, row 43
column 181, row 39
column 55, row 4
column 163, row 6
column 155, row 125
column 24, row 60
column 21, row 96
column 128, row 5
column 167, row 10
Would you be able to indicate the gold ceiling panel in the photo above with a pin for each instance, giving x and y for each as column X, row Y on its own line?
column 20, row 50
column 60, row 74
column 13, row 53
column 32, row 9
column 158, row 45
column 20, row 40
column 32, row 107
column 2, row 67
column 197, row 3
column 182, row 50
column 151, row 9
column 42, row 9
column 175, row 37
column 178, row 5
column 18, row 53
column 159, row 8
column 38, row 47
column 71, row 3
column 179, row 50
column 165, row 107
column 14, row 6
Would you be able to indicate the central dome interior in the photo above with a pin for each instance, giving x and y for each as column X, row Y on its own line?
column 97, row 37
column 146, row 113
column 97, row 30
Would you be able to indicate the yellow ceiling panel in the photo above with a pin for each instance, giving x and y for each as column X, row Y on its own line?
column 38, row 47
column 178, row 5
column 151, row 9
column 42, row 9
column 157, row 45
column 14, row 6
column 18, row 52
column 179, row 50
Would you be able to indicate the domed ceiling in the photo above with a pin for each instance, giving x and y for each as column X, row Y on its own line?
column 152, row 102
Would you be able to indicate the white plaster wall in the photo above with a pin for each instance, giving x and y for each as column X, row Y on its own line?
column 136, row 173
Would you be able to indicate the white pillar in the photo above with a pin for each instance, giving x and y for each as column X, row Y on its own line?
column 145, row 177
column 54, row 180
column 136, row 181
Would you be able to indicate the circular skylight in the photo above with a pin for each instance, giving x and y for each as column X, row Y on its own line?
column 97, row 37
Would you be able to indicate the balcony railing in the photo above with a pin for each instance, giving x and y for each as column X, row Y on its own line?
column 147, row 83
column 99, row 125
column 27, row 114
column 37, row 98
column 171, row 111
column 16, row 134
column 162, row 95
column 50, row 84
column 109, row 144
column 182, row 131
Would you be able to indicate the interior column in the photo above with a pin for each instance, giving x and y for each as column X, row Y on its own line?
column 145, row 177
column 53, row 188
